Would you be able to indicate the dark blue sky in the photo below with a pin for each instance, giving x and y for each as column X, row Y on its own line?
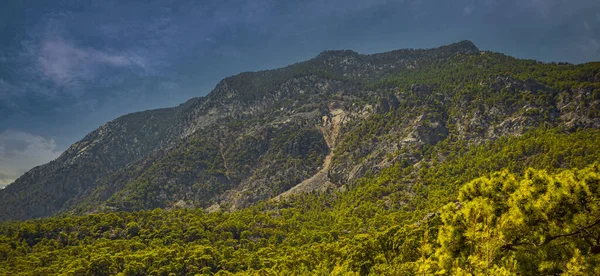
column 66, row 67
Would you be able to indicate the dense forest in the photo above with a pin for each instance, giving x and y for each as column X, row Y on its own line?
column 525, row 205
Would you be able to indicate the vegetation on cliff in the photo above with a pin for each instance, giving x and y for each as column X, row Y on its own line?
column 519, row 205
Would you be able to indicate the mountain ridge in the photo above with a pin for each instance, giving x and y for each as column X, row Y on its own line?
column 277, row 121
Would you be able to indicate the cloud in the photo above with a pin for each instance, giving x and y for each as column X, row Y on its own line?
column 21, row 151
column 469, row 9
column 66, row 64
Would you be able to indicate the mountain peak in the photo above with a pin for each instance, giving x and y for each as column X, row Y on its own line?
column 463, row 46
column 337, row 53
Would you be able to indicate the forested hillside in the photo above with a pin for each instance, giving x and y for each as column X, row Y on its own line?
column 523, row 205
column 451, row 160
column 195, row 154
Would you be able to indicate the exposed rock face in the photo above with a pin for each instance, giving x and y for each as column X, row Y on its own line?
column 330, row 128
column 312, row 126
column 577, row 108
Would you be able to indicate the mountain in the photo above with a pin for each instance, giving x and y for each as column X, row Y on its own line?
column 320, row 125
column 450, row 161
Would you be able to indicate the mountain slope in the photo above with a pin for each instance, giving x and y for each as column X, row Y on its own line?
column 382, row 226
column 447, row 161
column 258, row 135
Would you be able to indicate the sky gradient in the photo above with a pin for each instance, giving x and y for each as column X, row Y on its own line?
column 67, row 67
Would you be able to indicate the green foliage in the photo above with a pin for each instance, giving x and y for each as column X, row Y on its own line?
column 539, row 224
column 465, row 97
column 447, row 204
column 401, row 221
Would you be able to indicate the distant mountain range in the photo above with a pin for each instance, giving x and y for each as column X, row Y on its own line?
column 315, row 126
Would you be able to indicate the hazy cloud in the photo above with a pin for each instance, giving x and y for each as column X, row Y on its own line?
column 20, row 151
column 469, row 9
column 66, row 64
